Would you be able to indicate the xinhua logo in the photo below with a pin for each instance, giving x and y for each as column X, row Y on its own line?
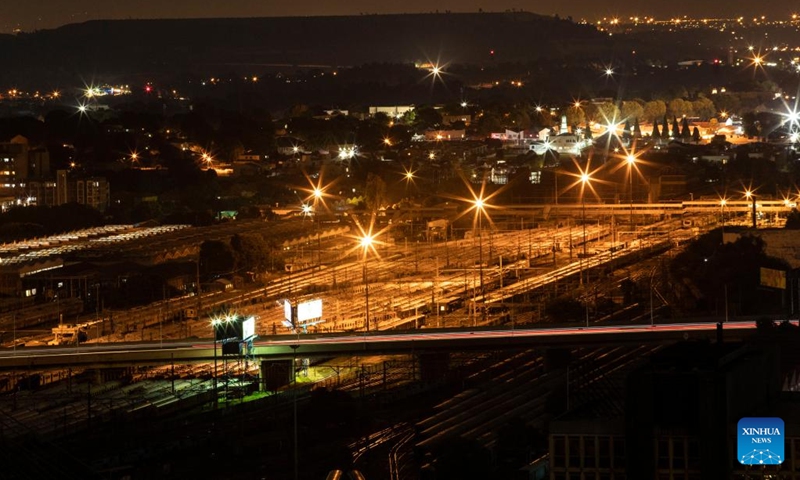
column 760, row 441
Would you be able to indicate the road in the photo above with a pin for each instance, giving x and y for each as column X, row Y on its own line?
column 289, row 346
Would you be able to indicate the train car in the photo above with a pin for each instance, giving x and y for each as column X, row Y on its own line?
column 449, row 304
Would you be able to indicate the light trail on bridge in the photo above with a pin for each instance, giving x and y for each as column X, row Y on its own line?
column 310, row 345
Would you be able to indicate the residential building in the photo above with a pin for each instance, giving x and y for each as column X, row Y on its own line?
column 19, row 162
column 676, row 416
column 94, row 192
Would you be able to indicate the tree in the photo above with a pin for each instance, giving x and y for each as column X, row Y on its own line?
column 727, row 103
column 251, row 252
column 216, row 258
column 519, row 119
column 715, row 268
column 704, row 108
column 607, row 113
column 637, row 132
column 409, row 117
column 626, row 130
column 489, row 122
column 675, row 129
column 632, row 109
column 374, row 192
column 575, row 115
column 696, row 135
column 679, row 108
column 685, row 132
column 654, row 110
column 427, row 117
column 656, row 134
column 793, row 220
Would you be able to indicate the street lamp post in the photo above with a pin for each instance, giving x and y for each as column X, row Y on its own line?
column 215, row 325
column 366, row 242
column 631, row 161
column 479, row 204
column 317, row 198
column 749, row 195
column 584, row 181
column 652, row 274
column 722, row 204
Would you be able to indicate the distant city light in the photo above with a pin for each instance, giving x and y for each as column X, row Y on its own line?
column 366, row 241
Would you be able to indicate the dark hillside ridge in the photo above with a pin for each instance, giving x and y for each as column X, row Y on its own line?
column 161, row 46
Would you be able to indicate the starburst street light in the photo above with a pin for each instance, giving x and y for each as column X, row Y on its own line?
column 585, row 178
column 792, row 117
column 609, row 72
column 480, row 210
column 408, row 175
column 366, row 243
column 436, row 72
column 751, row 195
column 315, row 200
column 722, row 203
column 631, row 160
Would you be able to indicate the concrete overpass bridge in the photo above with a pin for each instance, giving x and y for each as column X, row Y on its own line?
column 284, row 347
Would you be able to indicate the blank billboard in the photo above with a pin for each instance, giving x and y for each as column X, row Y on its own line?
column 249, row 328
column 309, row 310
column 287, row 311
column 773, row 278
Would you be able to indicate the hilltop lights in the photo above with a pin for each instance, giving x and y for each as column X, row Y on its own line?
column 347, row 153
column 436, row 72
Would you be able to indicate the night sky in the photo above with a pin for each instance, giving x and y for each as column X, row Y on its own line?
column 31, row 15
